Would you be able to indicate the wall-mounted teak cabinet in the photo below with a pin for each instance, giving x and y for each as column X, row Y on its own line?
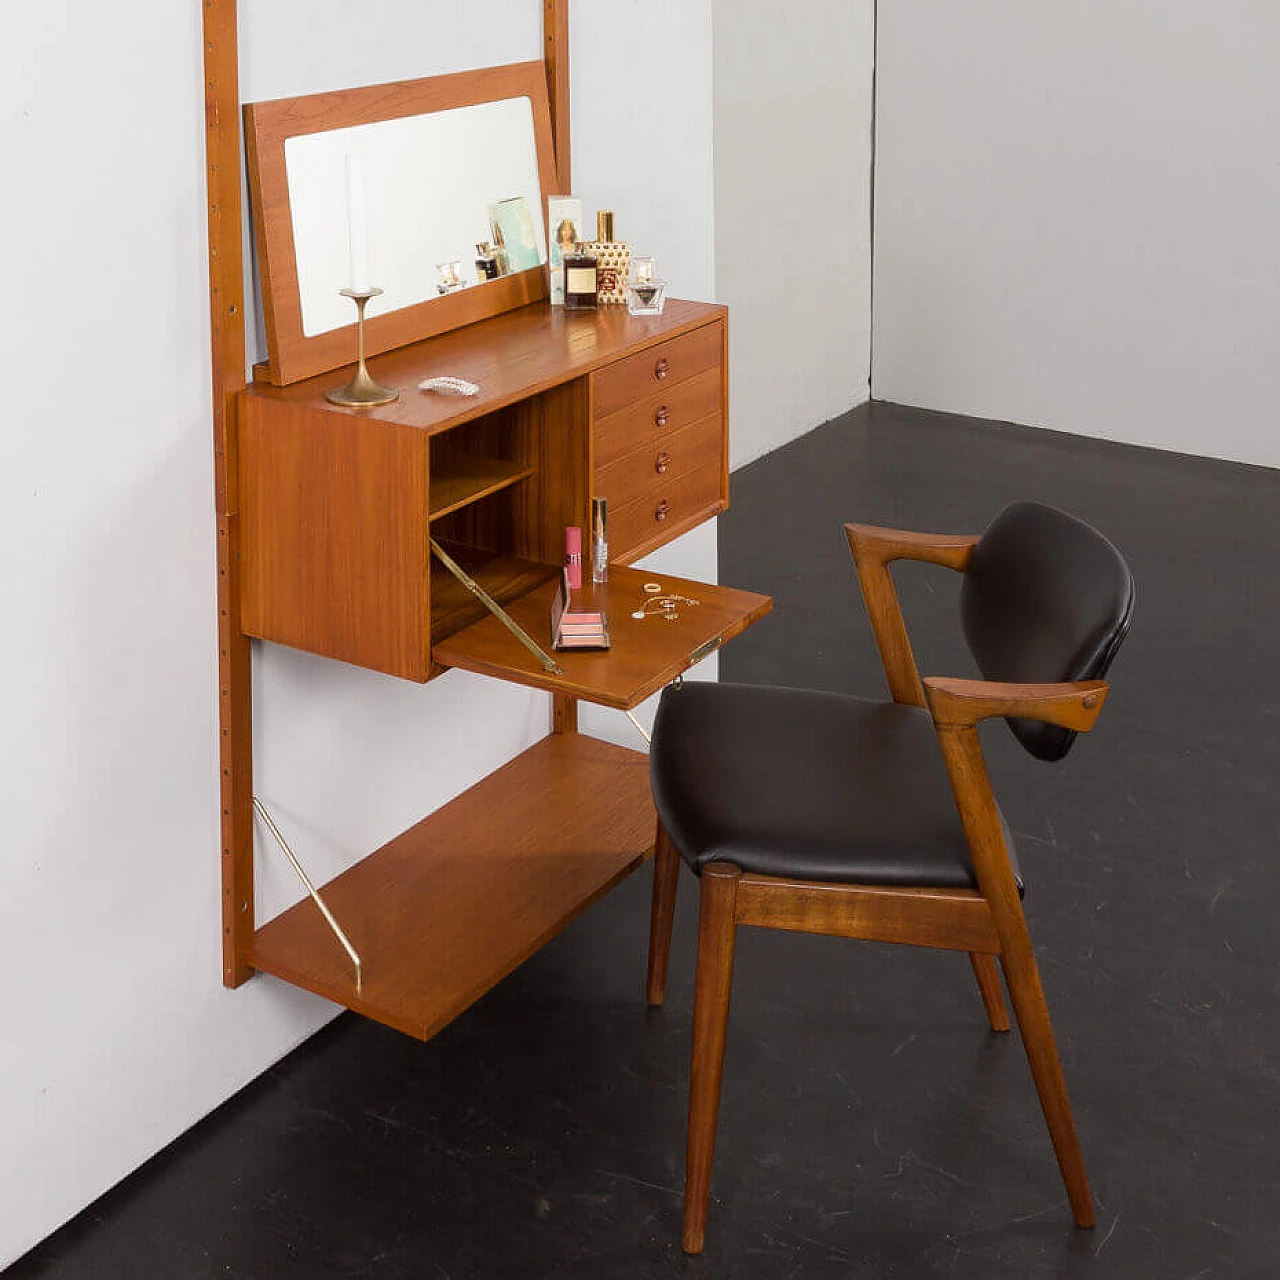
column 338, row 505
column 326, row 518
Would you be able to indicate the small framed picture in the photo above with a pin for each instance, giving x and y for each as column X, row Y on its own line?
column 564, row 228
column 515, row 234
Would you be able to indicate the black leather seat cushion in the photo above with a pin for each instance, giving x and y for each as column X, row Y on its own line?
column 815, row 786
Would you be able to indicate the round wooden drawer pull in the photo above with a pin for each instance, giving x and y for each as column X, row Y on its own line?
column 661, row 369
column 661, row 415
column 664, row 510
column 662, row 463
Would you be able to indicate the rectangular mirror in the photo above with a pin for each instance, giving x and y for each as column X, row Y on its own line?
column 426, row 170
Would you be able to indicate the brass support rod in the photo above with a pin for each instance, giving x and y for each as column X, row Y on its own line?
column 261, row 811
column 640, row 729
column 548, row 663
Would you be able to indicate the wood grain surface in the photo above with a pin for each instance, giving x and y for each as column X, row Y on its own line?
column 651, row 418
column 645, row 655
column 713, row 985
column 444, row 911
column 293, row 355
column 223, row 167
column 509, row 357
column 655, row 370
column 335, row 536
column 470, row 477
column 555, row 53
column 874, row 550
column 668, row 509
column 950, row 919
column 659, row 462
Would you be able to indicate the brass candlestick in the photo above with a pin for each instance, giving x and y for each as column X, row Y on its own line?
column 361, row 392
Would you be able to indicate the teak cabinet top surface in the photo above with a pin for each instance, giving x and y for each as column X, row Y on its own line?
column 509, row 357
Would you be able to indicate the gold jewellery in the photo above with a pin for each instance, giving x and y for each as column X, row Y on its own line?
column 656, row 604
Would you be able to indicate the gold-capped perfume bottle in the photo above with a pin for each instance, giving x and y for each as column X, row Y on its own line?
column 613, row 261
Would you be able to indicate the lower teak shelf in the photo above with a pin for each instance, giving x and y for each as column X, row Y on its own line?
column 449, row 908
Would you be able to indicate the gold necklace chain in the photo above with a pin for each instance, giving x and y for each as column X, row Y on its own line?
column 655, row 603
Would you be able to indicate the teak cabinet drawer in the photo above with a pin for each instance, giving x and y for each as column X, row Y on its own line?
column 661, row 462
column 655, row 517
column 657, row 368
column 657, row 416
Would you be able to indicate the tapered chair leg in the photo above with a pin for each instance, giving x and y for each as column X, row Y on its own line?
column 717, row 934
column 1032, row 1012
column 666, row 877
column 988, row 976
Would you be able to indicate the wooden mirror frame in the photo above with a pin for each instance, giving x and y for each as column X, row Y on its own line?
column 227, row 347
column 291, row 354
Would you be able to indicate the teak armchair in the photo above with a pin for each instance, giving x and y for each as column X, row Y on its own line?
column 828, row 814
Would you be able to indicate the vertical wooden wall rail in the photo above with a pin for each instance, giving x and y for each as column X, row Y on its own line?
column 555, row 34
column 226, row 311
column 555, row 27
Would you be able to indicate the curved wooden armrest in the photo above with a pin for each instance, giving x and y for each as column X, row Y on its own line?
column 882, row 546
column 1073, row 705
column 873, row 551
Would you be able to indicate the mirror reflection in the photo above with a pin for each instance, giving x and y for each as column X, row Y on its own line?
column 421, row 206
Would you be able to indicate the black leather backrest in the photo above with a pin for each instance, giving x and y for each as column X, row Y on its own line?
column 1045, row 598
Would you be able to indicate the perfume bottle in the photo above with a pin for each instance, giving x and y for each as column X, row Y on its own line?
column 613, row 259
column 500, row 251
column 450, row 277
column 599, row 541
column 646, row 294
column 486, row 262
column 579, row 280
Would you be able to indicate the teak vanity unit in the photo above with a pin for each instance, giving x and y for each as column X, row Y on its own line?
column 336, row 508
column 325, row 517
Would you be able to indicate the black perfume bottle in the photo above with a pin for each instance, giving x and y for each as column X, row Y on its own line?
column 486, row 262
column 579, row 281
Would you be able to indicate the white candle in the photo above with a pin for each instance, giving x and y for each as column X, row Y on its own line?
column 357, row 225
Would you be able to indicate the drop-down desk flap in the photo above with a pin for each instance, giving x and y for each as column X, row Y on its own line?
column 645, row 654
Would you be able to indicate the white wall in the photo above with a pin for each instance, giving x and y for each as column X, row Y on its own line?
column 1076, row 217
column 117, row 1034
column 793, row 195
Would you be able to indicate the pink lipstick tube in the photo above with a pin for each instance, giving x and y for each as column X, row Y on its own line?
column 573, row 555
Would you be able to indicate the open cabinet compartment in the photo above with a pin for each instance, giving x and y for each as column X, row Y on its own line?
column 502, row 488
column 339, row 510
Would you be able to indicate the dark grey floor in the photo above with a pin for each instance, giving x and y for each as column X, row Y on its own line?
column 871, row 1125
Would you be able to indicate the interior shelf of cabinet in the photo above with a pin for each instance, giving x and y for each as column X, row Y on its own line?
column 504, row 577
column 468, row 477
column 454, row 904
